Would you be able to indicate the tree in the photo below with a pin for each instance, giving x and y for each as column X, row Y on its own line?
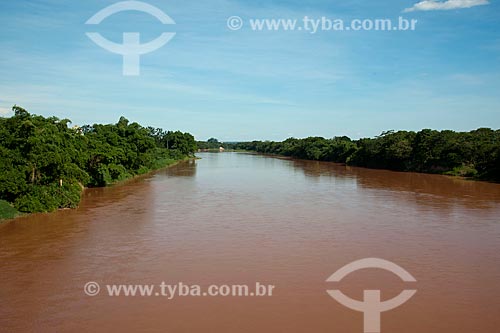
column 44, row 164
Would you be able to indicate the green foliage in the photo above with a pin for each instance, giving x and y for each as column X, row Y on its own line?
column 472, row 154
column 210, row 144
column 182, row 142
column 42, row 198
column 44, row 164
column 314, row 148
column 7, row 211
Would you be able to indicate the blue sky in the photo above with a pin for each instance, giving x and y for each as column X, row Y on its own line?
column 245, row 85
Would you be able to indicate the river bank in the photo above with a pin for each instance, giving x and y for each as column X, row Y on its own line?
column 447, row 175
column 474, row 154
column 44, row 163
column 8, row 212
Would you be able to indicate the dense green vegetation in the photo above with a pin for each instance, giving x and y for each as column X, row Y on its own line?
column 44, row 164
column 214, row 144
column 7, row 211
column 470, row 154
column 210, row 144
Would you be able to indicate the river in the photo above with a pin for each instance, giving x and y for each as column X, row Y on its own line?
column 233, row 218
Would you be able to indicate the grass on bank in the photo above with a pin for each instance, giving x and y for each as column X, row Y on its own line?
column 158, row 164
column 7, row 211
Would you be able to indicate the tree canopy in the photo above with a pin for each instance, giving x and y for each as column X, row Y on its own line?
column 44, row 163
column 470, row 154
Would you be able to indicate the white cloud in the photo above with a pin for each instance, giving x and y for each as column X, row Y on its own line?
column 4, row 111
column 446, row 5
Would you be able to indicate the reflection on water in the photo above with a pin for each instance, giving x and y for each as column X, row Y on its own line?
column 424, row 188
column 242, row 218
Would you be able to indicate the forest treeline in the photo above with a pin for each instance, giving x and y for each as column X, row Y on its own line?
column 44, row 163
column 210, row 144
column 474, row 154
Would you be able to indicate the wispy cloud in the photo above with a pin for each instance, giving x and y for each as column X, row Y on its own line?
column 428, row 5
column 4, row 111
column 468, row 79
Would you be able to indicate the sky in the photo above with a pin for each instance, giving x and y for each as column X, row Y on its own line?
column 240, row 85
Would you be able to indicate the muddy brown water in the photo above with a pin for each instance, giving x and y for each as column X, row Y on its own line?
column 235, row 218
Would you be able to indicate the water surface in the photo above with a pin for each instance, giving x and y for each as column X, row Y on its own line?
column 236, row 219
